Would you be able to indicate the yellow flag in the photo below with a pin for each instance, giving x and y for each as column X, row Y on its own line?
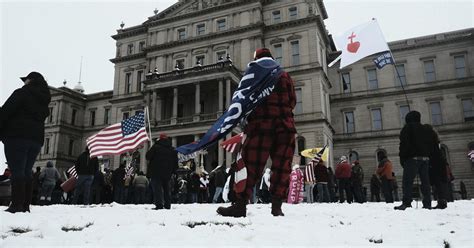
column 310, row 153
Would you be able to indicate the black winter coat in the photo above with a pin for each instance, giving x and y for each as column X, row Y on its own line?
column 416, row 140
column 24, row 112
column 86, row 165
column 163, row 159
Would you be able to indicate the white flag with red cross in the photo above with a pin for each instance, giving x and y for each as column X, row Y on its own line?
column 360, row 42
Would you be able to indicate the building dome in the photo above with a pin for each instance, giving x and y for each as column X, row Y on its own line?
column 79, row 88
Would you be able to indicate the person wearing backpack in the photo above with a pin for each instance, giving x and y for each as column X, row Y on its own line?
column 357, row 176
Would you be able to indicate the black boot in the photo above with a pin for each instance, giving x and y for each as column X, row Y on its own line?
column 237, row 209
column 17, row 197
column 28, row 195
column 276, row 207
column 442, row 204
column 403, row 206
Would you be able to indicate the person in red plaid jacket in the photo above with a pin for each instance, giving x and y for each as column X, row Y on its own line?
column 270, row 132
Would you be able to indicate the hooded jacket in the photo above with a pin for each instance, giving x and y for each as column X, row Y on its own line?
column 163, row 159
column 24, row 112
column 49, row 175
column 416, row 140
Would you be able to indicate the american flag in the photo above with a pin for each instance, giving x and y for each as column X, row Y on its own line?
column 129, row 169
column 309, row 170
column 119, row 138
column 234, row 142
column 72, row 171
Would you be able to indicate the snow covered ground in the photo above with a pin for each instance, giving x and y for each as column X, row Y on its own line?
column 198, row 225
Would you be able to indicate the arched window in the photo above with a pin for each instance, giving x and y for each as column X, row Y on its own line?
column 353, row 156
column 445, row 153
column 380, row 154
column 301, row 146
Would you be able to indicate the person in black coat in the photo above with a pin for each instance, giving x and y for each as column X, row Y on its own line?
column 417, row 144
column 163, row 162
column 86, row 168
column 22, row 133
column 118, row 183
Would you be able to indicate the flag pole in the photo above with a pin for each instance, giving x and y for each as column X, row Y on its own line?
column 147, row 113
column 400, row 79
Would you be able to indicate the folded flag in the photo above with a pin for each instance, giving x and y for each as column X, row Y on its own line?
column 72, row 171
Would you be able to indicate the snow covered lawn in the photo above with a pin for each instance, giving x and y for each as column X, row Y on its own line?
column 311, row 225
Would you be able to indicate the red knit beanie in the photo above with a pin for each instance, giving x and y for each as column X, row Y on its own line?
column 262, row 52
column 163, row 136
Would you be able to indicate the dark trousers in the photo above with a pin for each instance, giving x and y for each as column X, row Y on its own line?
column 410, row 170
column 47, row 191
column 345, row 185
column 387, row 190
column 374, row 194
column 161, row 192
column 358, row 195
column 140, row 195
column 83, row 186
column 21, row 155
column 118, row 193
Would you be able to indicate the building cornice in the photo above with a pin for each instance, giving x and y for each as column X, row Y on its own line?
column 129, row 32
column 162, row 19
column 128, row 57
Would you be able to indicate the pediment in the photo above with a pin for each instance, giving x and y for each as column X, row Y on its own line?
column 183, row 7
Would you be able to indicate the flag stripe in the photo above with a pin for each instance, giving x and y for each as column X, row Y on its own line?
column 119, row 138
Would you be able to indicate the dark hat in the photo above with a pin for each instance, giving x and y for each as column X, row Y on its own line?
column 262, row 52
column 413, row 117
column 163, row 136
column 35, row 76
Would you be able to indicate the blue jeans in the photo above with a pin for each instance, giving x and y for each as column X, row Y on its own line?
column 83, row 186
column 410, row 170
column 21, row 155
column 323, row 192
column 47, row 191
column 217, row 194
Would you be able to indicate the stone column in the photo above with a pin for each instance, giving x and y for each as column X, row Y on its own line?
column 197, row 158
column 228, row 94
column 153, row 107
column 58, row 114
column 174, row 116
column 174, row 141
column 221, row 98
column 197, row 102
column 220, row 154
column 159, row 103
column 143, row 151
column 228, row 155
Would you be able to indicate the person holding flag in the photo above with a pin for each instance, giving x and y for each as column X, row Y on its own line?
column 270, row 132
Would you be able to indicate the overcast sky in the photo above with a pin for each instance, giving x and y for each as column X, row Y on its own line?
column 51, row 36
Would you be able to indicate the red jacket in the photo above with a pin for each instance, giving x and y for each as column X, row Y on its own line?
column 343, row 170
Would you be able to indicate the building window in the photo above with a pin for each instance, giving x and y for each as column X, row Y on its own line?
column 372, row 78
column 429, row 71
column 128, row 83
column 107, row 116
column 353, row 156
column 376, row 119
column 73, row 117
column 220, row 55
column 46, row 146
column 125, row 115
column 181, row 34
column 402, row 80
column 141, row 46
column 140, row 85
column 278, row 53
column 130, row 49
column 349, row 120
column 404, row 109
column 180, row 63
column 346, row 82
column 92, row 114
column 118, row 52
column 50, row 117
column 436, row 118
column 293, row 13
column 468, row 110
column 200, row 29
column 221, row 25
column 299, row 101
column 460, row 66
column 276, row 16
column 71, row 147
column 295, row 53
column 200, row 59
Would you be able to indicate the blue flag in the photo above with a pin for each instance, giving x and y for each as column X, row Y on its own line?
column 257, row 83
column 383, row 59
